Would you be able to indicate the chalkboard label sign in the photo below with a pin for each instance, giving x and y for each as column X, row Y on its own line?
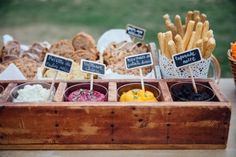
column 59, row 63
column 187, row 58
column 138, row 61
column 135, row 31
column 92, row 67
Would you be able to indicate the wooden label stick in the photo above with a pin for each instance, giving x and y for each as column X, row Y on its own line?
column 133, row 39
column 91, row 82
column 142, row 81
column 52, row 86
column 193, row 81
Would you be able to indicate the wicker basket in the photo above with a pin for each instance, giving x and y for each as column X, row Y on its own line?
column 233, row 65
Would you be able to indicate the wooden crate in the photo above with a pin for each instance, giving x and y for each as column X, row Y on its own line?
column 115, row 125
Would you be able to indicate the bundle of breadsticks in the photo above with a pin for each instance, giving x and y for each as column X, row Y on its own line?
column 195, row 33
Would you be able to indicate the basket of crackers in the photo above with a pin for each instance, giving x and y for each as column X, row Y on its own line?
column 181, row 37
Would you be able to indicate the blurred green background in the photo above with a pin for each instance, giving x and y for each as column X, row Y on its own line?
column 39, row 20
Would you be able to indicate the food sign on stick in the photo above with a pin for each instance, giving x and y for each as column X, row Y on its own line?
column 57, row 63
column 139, row 61
column 188, row 58
column 135, row 32
column 92, row 68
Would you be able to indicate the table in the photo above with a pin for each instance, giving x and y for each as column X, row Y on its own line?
column 228, row 88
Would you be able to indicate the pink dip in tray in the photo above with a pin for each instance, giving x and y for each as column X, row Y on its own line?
column 85, row 95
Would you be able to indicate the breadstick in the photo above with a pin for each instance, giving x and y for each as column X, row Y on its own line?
column 197, row 20
column 189, row 17
column 205, row 29
column 171, row 27
column 166, row 39
column 169, row 35
column 179, row 43
column 168, row 23
column 199, row 44
column 179, row 25
column 184, row 28
column 166, row 52
column 196, row 17
column 198, row 33
column 203, row 17
column 210, row 34
column 166, row 17
column 210, row 47
column 188, row 33
column 205, row 40
column 191, row 41
column 172, row 47
column 161, row 40
column 196, row 13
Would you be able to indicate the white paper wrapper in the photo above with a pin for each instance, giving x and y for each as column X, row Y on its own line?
column 113, row 35
column 6, row 38
column 111, row 75
column 12, row 73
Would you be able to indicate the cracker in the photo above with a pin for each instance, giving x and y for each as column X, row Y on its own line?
column 83, row 41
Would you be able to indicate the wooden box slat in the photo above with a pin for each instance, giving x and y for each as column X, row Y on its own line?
column 60, row 91
column 5, row 94
column 26, row 125
column 198, row 125
column 112, row 95
column 84, row 125
column 138, row 125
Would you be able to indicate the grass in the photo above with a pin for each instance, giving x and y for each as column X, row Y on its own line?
column 97, row 16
